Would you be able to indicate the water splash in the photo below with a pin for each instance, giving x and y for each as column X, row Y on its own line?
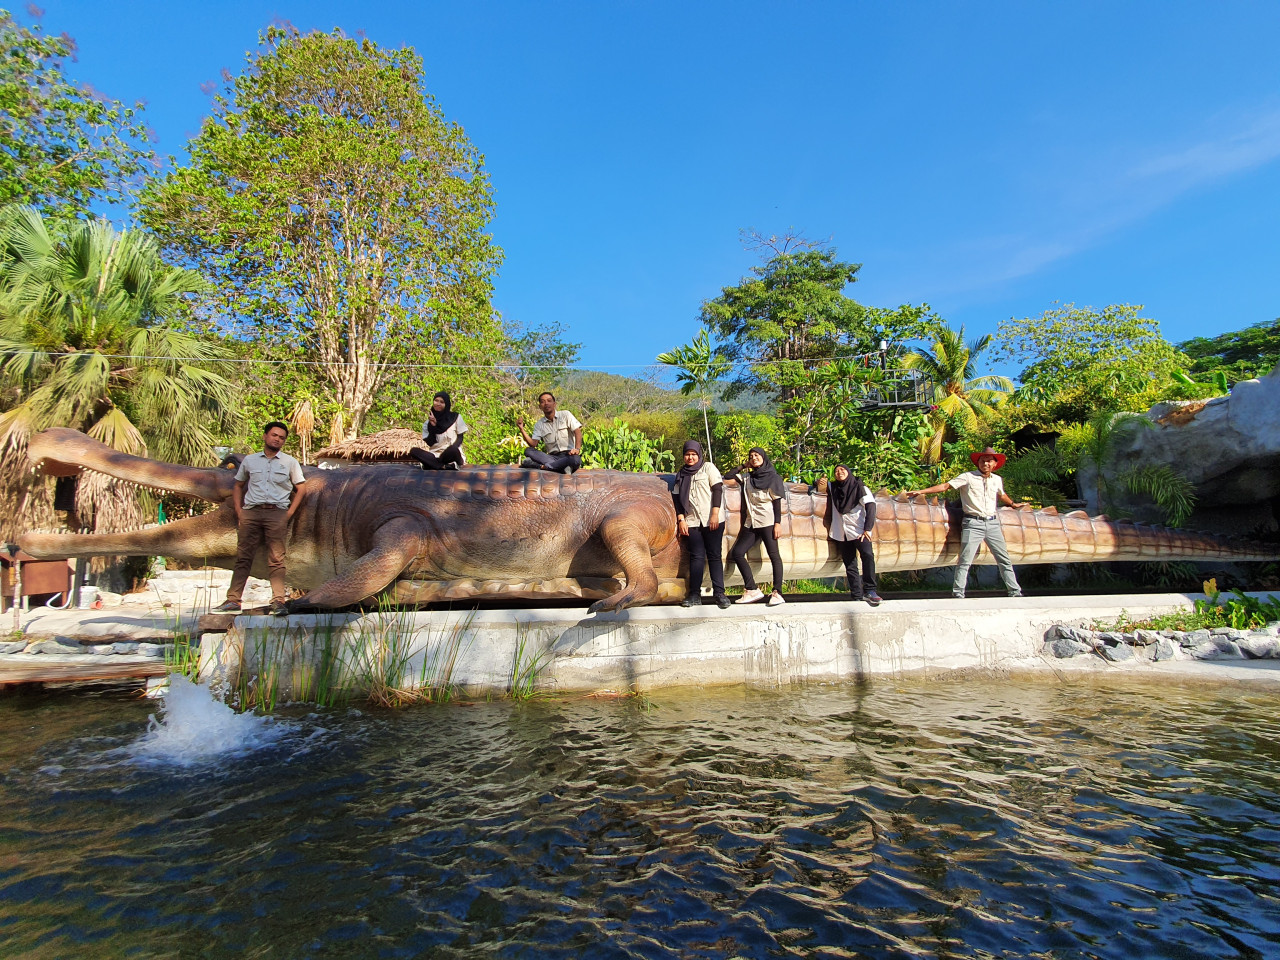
column 196, row 727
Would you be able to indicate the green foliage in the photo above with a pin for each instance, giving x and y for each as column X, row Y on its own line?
column 1096, row 443
column 337, row 211
column 540, row 354
column 622, row 448
column 1080, row 361
column 90, row 338
column 1238, row 355
column 529, row 661
column 1039, row 476
column 63, row 146
column 669, row 428
column 793, row 308
column 1243, row 611
column 1173, row 493
column 738, row 432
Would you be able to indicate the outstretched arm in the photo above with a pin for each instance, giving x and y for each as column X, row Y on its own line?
column 936, row 488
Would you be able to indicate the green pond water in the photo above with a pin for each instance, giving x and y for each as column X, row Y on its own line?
column 923, row 818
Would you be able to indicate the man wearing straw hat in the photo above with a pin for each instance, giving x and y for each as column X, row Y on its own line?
column 981, row 492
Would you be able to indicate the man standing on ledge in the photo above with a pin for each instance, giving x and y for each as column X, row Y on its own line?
column 981, row 491
column 267, row 493
column 562, row 433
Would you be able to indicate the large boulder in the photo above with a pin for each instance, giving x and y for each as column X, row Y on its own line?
column 1229, row 447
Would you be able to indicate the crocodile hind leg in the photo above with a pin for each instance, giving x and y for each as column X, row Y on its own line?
column 626, row 538
column 394, row 547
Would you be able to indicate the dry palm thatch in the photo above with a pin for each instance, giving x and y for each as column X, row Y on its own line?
column 338, row 430
column 107, row 505
column 303, row 422
column 26, row 500
column 387, row 446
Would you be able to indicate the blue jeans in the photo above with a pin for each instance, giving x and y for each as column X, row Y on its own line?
column 972, row 535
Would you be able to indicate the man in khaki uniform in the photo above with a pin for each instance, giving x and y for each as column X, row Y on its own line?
column 981, row 492
column 562, row 434
column 267, row 493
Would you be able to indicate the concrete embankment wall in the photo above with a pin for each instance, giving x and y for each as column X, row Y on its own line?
column 651, row 647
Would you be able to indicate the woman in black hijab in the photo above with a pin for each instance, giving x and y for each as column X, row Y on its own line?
column 698, row 495
column 442, row 433
column 762, row 493
column 850, row 516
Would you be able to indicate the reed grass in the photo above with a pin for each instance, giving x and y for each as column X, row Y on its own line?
column 373, row 661
column 528, row 663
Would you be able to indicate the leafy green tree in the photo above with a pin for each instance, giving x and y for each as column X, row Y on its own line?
column 1238, row 355
column 698, row 369
column 63, row 146
column 90, row 338
column 1081, row 360
column 959, row 393
column 793, row 310
column 336, row 209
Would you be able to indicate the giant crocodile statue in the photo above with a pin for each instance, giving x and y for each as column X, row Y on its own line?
column 515, row 533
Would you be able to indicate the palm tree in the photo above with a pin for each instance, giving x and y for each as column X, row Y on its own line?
column 952, row 364
column 698, row 368
column 89, row 339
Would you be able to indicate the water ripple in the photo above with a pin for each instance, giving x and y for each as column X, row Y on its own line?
column 960, row 818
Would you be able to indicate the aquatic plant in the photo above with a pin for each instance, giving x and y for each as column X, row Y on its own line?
column 183, row 657
column 439, row 658
column 528, row 662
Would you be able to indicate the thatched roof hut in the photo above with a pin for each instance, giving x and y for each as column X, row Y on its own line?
column 386, row 446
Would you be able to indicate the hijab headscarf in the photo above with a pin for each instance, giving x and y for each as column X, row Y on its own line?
column 444, row 418
column 845, row 495
column 765, row 477
column 684, row 476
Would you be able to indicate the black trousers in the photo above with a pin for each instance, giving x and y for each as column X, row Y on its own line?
column 748, row 537
column 430, row 461
column 556, row 462
column 850, row 551
column 705, row 547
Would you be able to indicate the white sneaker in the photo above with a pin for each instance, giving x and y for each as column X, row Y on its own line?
column 775, row 600
column 750, row 596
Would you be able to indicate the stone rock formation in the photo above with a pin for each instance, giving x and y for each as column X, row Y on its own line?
column 1229, row 447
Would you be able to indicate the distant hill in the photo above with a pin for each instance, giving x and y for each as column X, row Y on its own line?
column 598, row 395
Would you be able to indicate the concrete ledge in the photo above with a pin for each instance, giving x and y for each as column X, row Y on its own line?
column 651, row 647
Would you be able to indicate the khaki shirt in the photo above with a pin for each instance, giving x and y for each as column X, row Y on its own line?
column 850, row 526
column 446, row 438
column 269, row 480
column 980, row 496
column 759, row 505
column 699, row 514
column 557, row 432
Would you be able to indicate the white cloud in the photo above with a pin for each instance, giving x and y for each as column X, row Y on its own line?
column 1075, row 202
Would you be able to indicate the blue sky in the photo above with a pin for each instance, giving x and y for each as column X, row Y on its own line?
column 986, row 158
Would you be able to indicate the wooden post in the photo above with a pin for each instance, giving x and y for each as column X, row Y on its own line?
column 12, row 548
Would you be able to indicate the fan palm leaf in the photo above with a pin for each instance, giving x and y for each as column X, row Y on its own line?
column 87, row 340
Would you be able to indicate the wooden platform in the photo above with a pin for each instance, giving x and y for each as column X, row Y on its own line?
column 54, row 668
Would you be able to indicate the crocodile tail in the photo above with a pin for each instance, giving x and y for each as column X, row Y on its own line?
column 925, row 532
